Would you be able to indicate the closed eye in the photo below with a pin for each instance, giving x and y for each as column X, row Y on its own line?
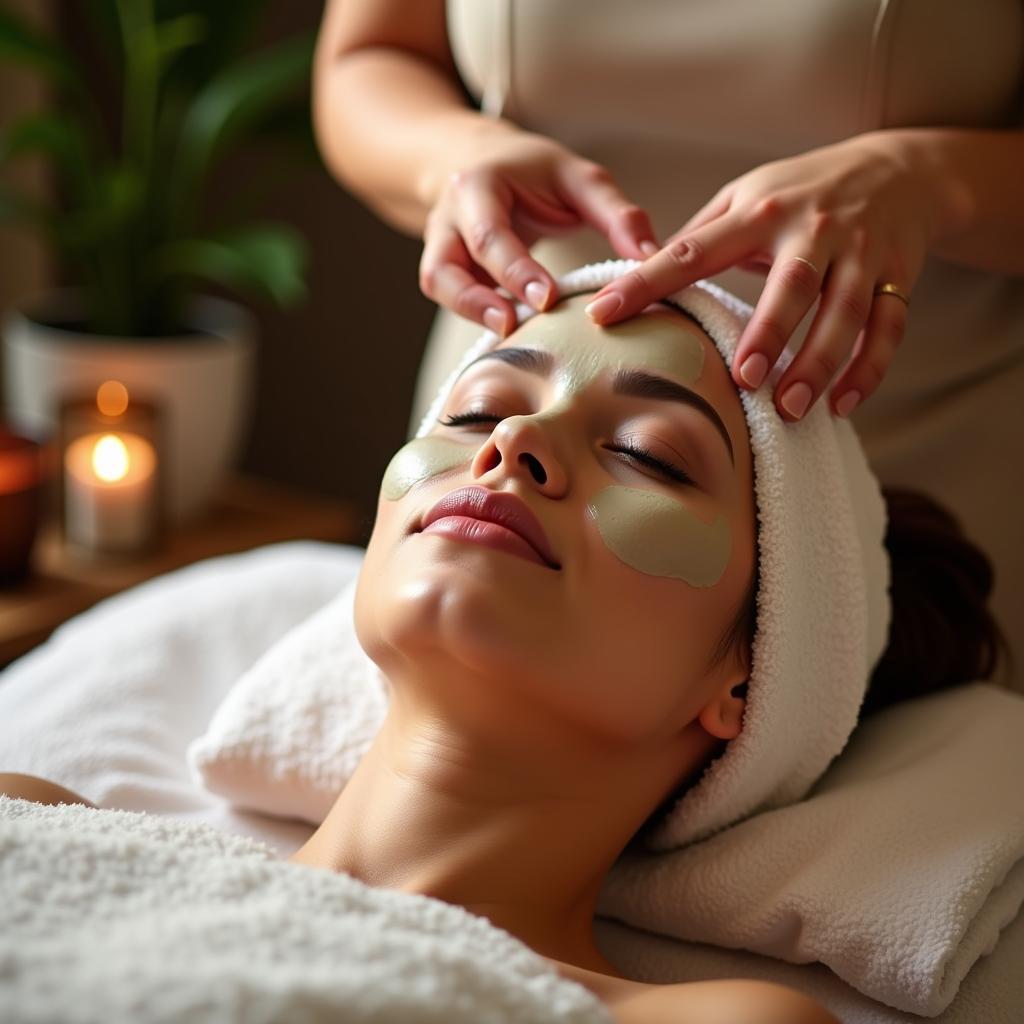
column 636, row 452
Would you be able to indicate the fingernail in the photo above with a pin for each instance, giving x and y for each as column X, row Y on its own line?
column 495, row 319
column 845, row 404
column 796, row 399
column 754, row 368
column 604, row 307
column 648, row 248
column 537, row 294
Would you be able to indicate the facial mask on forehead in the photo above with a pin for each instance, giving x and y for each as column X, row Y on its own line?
column 583, row 349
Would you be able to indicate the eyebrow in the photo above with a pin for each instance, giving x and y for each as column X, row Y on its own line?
column 637, row 383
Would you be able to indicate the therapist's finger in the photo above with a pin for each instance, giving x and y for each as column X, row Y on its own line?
column 793, row 286
column 707, row 251
column 446, row 278
column 483, row 219
column 841, row 316
column 873, row 355
column 591, row 190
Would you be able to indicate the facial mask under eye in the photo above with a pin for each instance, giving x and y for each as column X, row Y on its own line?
column 658, row 535
column 420, row 458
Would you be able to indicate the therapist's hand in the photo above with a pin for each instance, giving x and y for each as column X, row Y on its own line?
column 835, row 222
column 512, row 189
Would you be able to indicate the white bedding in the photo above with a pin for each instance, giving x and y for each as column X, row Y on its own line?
column 130, row 917
column 109, row 704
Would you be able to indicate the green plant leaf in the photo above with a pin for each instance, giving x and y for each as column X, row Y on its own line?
column 22, row 44
column 229, row 27
column 58, row 137
column 119, row 193
column 174, row 36
column 268, row 259
column 231, row 104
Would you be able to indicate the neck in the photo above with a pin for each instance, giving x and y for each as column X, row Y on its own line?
column 521, row 833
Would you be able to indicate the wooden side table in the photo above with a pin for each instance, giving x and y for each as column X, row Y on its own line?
column 248, row 512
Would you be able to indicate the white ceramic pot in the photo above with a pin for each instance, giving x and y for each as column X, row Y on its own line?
column 204, row 383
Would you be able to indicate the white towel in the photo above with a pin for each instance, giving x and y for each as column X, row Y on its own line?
column 290, row 733
column 899, row 871
column 117, row 916
column 108, row 705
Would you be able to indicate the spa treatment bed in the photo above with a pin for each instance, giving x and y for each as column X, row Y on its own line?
column 183, row 908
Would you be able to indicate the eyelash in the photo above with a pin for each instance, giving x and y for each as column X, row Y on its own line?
column 638, row 452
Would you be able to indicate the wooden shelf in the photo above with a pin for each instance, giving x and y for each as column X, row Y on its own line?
column 247, row 513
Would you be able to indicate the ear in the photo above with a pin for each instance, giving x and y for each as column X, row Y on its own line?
column 722, row 716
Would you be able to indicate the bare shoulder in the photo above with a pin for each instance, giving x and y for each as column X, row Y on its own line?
column 41, row 791
column 731, row 1001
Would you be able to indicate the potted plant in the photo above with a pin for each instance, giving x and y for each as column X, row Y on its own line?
column 132, row 231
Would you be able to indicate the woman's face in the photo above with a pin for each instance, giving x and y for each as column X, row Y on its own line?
column 652, row 564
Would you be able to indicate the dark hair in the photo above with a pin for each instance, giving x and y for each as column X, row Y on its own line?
column 942, row 632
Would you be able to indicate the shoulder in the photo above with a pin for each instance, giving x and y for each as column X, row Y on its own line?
column 734, row 1000
column 40, row 791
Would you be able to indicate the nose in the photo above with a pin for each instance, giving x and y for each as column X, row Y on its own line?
column 523, row 446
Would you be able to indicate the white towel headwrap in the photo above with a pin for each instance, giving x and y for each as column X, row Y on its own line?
column 823, row 606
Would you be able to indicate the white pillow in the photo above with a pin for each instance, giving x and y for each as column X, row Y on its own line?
column 109, row 703
column 291, row 731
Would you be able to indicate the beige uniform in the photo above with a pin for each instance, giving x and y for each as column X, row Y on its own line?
column 678, row 97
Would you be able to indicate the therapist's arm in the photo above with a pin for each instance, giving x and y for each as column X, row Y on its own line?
column 388, row 111
column 31, row 787
column 980, row 173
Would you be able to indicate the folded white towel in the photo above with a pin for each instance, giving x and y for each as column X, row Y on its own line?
column 898, row 871
column 108, row 704
column 128, row 917
column 290, row 733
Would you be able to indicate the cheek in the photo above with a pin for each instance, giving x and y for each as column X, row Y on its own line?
column 421, row 458
column 659, row 536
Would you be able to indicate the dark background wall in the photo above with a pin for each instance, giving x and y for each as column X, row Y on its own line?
column 336, row 375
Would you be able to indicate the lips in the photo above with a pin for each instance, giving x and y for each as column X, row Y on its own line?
column 494, row 507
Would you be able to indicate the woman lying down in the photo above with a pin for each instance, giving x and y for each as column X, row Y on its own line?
column 620, row 602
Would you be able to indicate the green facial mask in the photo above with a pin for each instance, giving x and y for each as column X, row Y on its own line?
column 420, row 458
column 659, row 536
column 652, row 533
column 649, row 341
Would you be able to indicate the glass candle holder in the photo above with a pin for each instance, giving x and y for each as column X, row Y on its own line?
column 21, row 493
column 111, row 479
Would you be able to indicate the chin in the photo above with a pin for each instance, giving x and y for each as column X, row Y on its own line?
column 419, row 607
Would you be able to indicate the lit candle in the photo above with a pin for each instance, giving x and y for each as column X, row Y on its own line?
column 109, row 491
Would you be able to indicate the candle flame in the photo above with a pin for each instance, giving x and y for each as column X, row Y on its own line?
column 110, row 458
column 112, row 398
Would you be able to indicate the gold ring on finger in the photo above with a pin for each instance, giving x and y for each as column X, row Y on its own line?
column 801, row 259
column 888, row 288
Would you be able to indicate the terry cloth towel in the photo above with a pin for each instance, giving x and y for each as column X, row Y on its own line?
column 823, row 606
column 120, row 916
column 289, row 734
column 899, row 871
